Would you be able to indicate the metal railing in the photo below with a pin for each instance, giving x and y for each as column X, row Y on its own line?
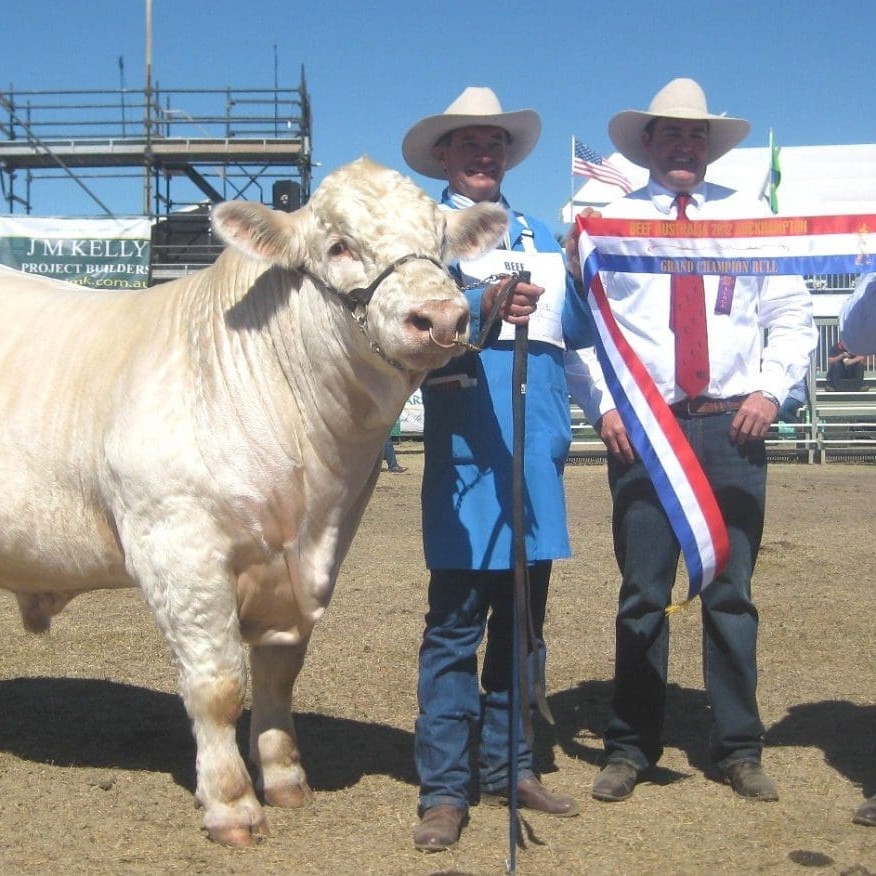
column 832, row 426
column 99, row 116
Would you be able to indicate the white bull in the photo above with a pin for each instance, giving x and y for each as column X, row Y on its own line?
column 215, row 440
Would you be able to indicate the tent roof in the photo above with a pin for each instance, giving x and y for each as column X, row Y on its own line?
column 816, row 180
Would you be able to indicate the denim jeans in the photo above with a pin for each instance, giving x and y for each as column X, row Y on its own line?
column 389, row 456
column 647, row 553
column 454, row 711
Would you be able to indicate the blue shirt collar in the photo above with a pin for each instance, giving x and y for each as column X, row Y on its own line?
column 459, row 202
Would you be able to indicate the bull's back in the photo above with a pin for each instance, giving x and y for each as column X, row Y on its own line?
column 67, row 357
column 63, row 348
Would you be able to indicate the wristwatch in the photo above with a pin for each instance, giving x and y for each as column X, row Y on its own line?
column 769, row 397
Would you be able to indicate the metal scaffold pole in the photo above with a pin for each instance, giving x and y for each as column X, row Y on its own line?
column 147, row 171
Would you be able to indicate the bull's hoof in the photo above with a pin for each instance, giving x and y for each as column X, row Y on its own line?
column 288, row 796
column 239, row 837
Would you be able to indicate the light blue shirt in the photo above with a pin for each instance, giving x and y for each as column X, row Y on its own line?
column 857, row 319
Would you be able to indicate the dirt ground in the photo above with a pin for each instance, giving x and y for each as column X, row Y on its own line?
column 97, row 760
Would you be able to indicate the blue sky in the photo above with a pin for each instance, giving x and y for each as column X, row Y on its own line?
column 802, row 67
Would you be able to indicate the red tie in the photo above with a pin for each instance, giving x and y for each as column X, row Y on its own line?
column 688, row 322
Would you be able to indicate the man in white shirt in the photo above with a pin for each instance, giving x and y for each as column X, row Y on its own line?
column 725, row 419
column 857, row 324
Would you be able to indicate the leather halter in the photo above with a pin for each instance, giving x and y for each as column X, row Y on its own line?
column 358, row 299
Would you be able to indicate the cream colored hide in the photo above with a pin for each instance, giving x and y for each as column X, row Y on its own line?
column 215, row 440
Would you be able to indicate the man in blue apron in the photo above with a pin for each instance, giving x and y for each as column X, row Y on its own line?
column 467, row 484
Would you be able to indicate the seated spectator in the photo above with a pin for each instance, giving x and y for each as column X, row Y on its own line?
column 845, row 371
column 798, row 395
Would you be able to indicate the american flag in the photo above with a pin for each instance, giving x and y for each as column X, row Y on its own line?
column 588, row 162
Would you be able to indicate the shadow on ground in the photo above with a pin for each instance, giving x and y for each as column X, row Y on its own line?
column 103, row 724
column 842, row 730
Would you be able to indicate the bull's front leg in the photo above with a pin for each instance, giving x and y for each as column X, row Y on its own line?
column 232, row 813
column 273, row 744
column 196, row 610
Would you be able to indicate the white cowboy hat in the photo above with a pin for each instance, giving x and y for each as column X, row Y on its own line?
column 680, row 99
column 475, row 106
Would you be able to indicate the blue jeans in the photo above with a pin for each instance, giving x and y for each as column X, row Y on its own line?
column 453, row 710
column 389, row 456
column 647, row 553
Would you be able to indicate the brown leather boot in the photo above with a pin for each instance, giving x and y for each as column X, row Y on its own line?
column 749, row 779
column 439, row 828
column 532, row 794
column 616, row 781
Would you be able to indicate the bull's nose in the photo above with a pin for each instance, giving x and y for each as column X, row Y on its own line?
column 445, row 320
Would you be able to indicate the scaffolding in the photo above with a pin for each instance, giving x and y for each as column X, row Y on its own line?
column 168, row 154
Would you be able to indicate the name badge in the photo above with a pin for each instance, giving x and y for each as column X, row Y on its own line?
column 724, row 302
column 547, row 270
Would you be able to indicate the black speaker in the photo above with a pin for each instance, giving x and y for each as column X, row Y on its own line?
column 287, row 195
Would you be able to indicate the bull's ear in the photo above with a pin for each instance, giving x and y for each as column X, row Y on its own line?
column 262, row 233
column 474, row 230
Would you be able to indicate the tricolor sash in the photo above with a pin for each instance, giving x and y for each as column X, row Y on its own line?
column 778, row 245
column 740, row 247
column 674, row 470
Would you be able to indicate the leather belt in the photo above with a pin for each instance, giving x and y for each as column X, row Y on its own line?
column 700, row 406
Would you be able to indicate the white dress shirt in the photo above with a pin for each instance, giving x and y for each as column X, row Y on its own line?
column 739, row 361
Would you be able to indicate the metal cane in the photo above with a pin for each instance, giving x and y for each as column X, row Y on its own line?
column 519, row 629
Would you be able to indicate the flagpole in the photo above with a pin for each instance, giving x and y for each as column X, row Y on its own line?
column 764, row 192
column 767, row 188
column 572, row 184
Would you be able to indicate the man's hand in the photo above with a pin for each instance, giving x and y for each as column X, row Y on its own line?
column 519, row 305
column 753, row 419
column 611, row 430
column 571, row 246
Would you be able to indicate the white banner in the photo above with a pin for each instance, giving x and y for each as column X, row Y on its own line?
column 412, row 415
column 97, row 253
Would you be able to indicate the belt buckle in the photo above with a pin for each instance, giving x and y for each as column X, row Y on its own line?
column 682, row 407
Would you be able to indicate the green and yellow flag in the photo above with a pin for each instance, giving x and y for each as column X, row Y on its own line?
column 775, row 174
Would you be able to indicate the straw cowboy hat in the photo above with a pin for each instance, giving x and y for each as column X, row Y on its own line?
column 680, row 99
column 475, row 106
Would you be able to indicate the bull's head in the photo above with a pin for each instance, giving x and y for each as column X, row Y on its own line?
column 376, row 240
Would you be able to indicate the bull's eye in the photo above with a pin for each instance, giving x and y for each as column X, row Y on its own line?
column 338, row 249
